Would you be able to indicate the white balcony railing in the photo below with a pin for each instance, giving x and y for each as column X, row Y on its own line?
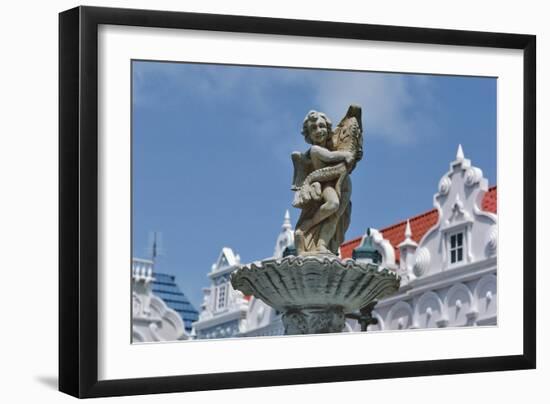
column 142, row 270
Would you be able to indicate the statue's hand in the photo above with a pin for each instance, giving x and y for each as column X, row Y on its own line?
column 315, row 191
column 306, row 194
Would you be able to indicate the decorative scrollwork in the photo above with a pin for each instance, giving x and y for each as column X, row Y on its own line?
column 422, row 261
column 445, row 185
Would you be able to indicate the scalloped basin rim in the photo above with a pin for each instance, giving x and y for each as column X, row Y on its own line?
column 315, row 282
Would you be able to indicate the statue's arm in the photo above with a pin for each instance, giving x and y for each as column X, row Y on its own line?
column 329, row 157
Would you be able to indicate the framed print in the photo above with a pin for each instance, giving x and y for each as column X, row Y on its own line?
column 207, row 236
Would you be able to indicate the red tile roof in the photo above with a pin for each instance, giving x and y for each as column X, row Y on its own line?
column 489, row 202
column 420, row 224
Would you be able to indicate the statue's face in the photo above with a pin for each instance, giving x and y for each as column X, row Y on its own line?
column 318, row 131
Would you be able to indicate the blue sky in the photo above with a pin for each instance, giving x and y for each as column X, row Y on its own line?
column 211, row 151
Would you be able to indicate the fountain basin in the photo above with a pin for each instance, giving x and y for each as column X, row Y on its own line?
column 315, row 292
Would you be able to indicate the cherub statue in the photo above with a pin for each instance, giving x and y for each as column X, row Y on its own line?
column 321, row 181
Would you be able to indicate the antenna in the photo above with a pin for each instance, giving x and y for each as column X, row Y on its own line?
column 155, row 248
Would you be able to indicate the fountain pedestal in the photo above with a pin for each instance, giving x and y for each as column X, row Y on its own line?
column 315, row 292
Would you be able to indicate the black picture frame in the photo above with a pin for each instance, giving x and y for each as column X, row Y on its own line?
column 78, row 200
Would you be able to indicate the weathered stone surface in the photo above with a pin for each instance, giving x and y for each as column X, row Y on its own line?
column 315, row 292
column 313, row 321
column 315, row 289
column 321, row 181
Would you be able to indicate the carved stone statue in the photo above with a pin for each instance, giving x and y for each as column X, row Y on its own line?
column 321, row 181
column 314, row 288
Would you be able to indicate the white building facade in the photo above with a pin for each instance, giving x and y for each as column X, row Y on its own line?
column 226, row 312
column 223, row 310
column 152, row 319
column 448, row 268
column 446, row 257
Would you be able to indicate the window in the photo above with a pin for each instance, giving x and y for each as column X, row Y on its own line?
column 457, row 247
column 221, row 297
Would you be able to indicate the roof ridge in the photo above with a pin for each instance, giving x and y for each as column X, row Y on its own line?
column 414, row 220
column 421, row 215
column 411, row 219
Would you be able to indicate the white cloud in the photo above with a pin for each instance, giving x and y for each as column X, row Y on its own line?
column 397, row 108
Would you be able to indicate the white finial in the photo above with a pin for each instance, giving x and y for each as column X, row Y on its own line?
column 408, row 232
column 286, row 223
column 408, row 242
column 460, row 153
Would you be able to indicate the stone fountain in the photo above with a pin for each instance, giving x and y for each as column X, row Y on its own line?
column 314, row 288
